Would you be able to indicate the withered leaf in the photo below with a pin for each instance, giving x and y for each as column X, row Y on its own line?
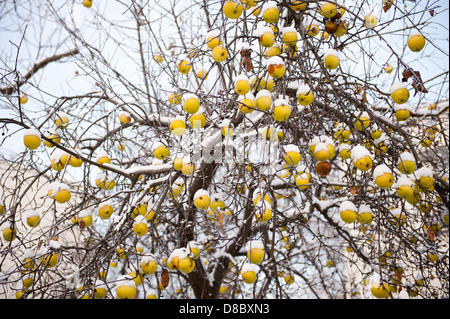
column 247, row 64
column 353, row 190
column 82, row 224
column 165, row 278
column 430, row 233
column 398, row 278
column 431, row 12
column 419, row 87
column 387, row 5
column 246, row 52
column 219, row 217
column 407, row 74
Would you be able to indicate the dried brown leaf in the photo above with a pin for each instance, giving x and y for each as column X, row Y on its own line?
column 219, row 217
column 430, row 233
column 407, row 74
column 165, row 278
column 419, row 87
column 247, row 64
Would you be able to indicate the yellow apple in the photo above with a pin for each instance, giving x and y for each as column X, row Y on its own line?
column 191, row 103
column 213, row 39
column 364, row 163
column 321, row 152
column 399, row 93
column 257, row 83
column 216, row 202
column 124, row 117
column 242, row 84
column 345, row 151
column 255, row 255
column 405, row 191
column 184, row 65
column 31, row 139
column 9, row 234
column 100, row 292
column 23, row 99
column 263, row 100
column 365, row 214
column 341, row 29
column 178, row 163
column 290, row 36
column 281, row 110
column 174, row 99
column 388, row 68
column 289, row 279
column 416, row 42
column 50, row 260
column 202, row 199
column 425, row 180
column 188, row 168
column 304, row 95
column 186, row 265
column 219, row 53
column 148, row 265
column 331, row 60
column 248, row 274
column 160, row 151
column 197, row 120
column 275, row 67
column 270, row 12
column 33, row 218
column 54, row 137
column 363, row 122
column 62, row 120
column 292, row 155
column 348, row 212
column 202, row 74
column 407, row 164
column 380, row 290
column 312, row 28
column 158, row 57
column 63, row 195
column 87, row 3
column 247, row 103
column 227, row 131
column 265, row 35
column 105, row 211
column 264, row 214
column 75, row 161
column 274, row 50
column 328, row 9
column 140, row 226
column 385, row 180
column 370, row 21
column 302, row 181
column 177, row 127
column 103, row 158
column 298, row 5
column 232, row 9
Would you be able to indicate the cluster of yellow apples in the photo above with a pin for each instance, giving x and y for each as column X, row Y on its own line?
column 183, row 259
column 349, row 213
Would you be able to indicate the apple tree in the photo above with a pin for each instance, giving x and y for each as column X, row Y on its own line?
column 224, row 149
